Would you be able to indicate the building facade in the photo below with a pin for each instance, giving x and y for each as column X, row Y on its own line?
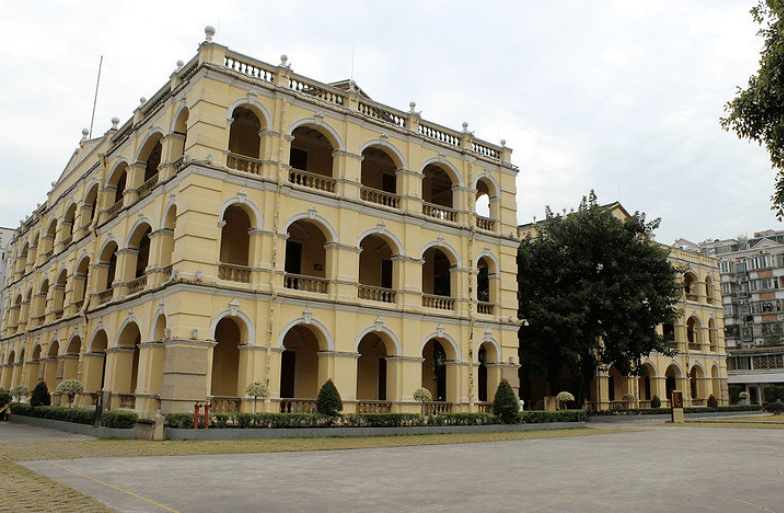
column 249, row 224
column 6, row 235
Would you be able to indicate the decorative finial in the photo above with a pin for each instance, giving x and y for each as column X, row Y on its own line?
column 352, row 84
column 85, row 133
column 465, row 126
column 142, row 101
column 180, row 64
column 209, row 31
column 115, row 122
column 503, row 142
column 412, row 106
column 284, row 59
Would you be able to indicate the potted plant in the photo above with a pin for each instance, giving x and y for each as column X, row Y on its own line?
column 19, row 392
column 69, row 387
column 563, row 397
column 422, row 395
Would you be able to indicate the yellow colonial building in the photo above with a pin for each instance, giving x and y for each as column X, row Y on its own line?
column 251, row 224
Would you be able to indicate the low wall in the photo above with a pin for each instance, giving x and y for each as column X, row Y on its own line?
column 72, row 427
column 250, row 433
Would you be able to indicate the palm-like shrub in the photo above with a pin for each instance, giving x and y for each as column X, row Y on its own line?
column 256, row 390
column 505, row 404
column 563, row 397
column 19, row 392
column 329, row 402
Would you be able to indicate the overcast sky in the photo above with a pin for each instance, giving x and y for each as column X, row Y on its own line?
column 622, row 97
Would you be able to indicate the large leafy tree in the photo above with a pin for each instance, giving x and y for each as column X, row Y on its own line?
column 593, row 289
column 757, row 112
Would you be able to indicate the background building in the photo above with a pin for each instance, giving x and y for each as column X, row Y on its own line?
column 752, row 288
column 6, row 234
column 251, row 224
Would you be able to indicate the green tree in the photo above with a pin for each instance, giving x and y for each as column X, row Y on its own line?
column 328, row 401
column 505, row 404
column 756, row 112
column 40, row 396
column 593, row 288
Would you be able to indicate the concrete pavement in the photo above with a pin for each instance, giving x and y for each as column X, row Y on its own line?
column 663, row 469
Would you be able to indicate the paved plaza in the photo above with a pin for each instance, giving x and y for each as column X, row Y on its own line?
column 656, row 469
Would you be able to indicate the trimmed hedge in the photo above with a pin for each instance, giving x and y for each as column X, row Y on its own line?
column 120, row 419
column 75, row 415
column 665, row 411
column 317, row 420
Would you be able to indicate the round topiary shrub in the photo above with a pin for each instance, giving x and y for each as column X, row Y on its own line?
column 656, row 402
column 69, row 387
column 329, row 402
column 505, row 404
column 40, row 395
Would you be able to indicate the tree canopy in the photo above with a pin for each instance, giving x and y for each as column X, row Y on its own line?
column 757, row 112
column 593, row 289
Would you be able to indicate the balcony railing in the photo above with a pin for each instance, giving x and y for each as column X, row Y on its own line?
column 112, row 211
column 385, row 199
column 127, row 401
column 312, row 180
column 297, row 405
column 306, row 283
column 485, row 223
column 243, row 163
column 484, row 407
column 230, row 272
column 439, row 212
column 438, row 302
column 485, row 308
column 374, row 406
column 147, row 187
column 376, row 293
column 433, row 407
column 691, row 297
column 105, row 296
column 694, row 346
column 137, row 285
column 219, row 404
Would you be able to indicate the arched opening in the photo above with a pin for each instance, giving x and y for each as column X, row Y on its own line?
column 306, row 257
column 697, row 384
column 713, row 335
column 151, row 159
column 167, row 239
column 715, row 383
column 39, row 308
column 48, row 240
column 160, row 331
column 59, row 299
column 436, row 373
column 690, row 286
column 126, row 366
column 80, row 282
column 311, row 151
column 485, row 289
column 299, row 373
column 226, row 359
column 372, row 376
column 235, row 248
column 138, row 258
column 437, row 280
column 671, row 378
column 107, row 266
column 644, row 383
column 66, row 235
column 693, row 333
column 485, row 204
column 709, row 289
column 244, row 134
column 117, row 183
column 88, row 209
column 179, row 138
column 378, row 177
column 437, row 193
column 23, row 258
column 15, row 311
column 376, row 269
column 615, row 388
column 95, row 363
column 51, row 374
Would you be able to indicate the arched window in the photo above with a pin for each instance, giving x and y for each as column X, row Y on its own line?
column 376, row 268
column 306, row 257
column 244, row 138
column 378, row 176
column 437, row 194
column 235, row 249
column 437, row 280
